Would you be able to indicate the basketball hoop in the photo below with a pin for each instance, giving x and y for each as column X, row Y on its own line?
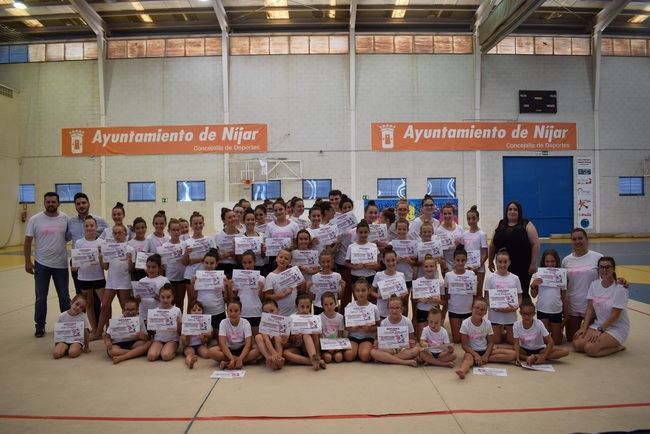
column 246, row 183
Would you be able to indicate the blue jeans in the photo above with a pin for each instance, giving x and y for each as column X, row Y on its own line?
column 42, row 276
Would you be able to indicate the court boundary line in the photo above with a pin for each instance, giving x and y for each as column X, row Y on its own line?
column 449, row 412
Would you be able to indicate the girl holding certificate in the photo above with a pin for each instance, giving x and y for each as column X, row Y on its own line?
column 361, row 258
column 606, row 325
column 193, row 262
column 165, row 342
column 251, row 230
column 153, row 278
column 174, row 268
column 423, row 306
column 196, row 345
column 474, row 239
column 459, row 295
column 409, row 353
column 225, row 241
column 285, row 297
column 552, row 301
column 314, row 225
column 138, row 242
column 405, row 262
column 271, row 346
column 117, row 214
column 332, row 326
column 121, row 348
column 325, row 281
column 533, row 343
column 75, row 343
column 297, row 210
column 450, row 230
column 303, row 348
column 427, row 208
column 390, row 262
column 213, row 300
column 502, row 318
column 260, row 218
column 282, row 227
column 185, row 229
column 362, row 337
column 436, row 349
column 250, row 291
column 236, row 346
column 158, row 237
column 303, row 241
column 344, row 241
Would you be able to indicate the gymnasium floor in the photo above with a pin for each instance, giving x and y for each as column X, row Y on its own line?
column 90, row 394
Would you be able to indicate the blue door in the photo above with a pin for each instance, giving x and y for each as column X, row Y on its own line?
column 544, row 187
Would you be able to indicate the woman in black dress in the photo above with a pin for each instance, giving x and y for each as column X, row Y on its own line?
column 519, row 236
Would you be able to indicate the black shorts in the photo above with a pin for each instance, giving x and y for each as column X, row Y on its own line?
column 554, row 318
column 196, row 347
column 480, row 352
column 254, row 320
column 178, row 282
column 531, row 352
column 459, row 315
column 361, row 340
column 423, row 316
column 85, row 285
column 318, row 310
column 216, row 320
column 236, row 352
column 126, row 345
column 504, row 325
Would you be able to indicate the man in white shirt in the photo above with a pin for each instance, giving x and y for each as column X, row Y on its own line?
column 48, row 230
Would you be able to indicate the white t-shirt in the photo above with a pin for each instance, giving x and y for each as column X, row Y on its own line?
column 168, row 336
column 153, row 241
column 416, row 225
column 403, row 322
column 495, row 281
column 435, row 339
column 477, row 335
column 581, row 271
column 174, row 269
column 606, row 299
column 119, row 276
column 330, row 327
column 288, row 231
column 190, row 270
column 318, row 246
column 549, row 298
column 362, row 334
column 382, row 305
column 138, row 245
column 457, row 234
column 475, row 241
column 286, row 305
column 251, row 305
column 49, row 239
column 226, row 244
column 458, row 303
column 364, row 272
column 235, row 335
column 151, row 303
column 404, row 267
column 532, row 338
column 66, row 317
column 92, row 272
column 321, row 283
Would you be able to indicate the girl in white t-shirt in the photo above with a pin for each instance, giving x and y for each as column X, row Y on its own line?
column 196, row 344
column 214, row 301
column 91, row 277
column 303, row 243
column 225, row 241
column 236, row 346
column 475, row 239
column 185, row 229
column 271, row 347
column 193, row 262
column 424, row 305
column 139, row 244
column 139, row 343
column 533, row 343
column 390, row 262
column 457, row 302
column 552, row 302
column 606, row 325
column 406, row 263
column 251, row 230
column 251, row 298
column 314, row 225
column 153, row 268
column 363, row 337
column 282, row 227
column 325, row 281
column 117, row 214
column 285, row 297
column 165, row 343
column 260, row 219
column 332, row 326
column 477, row 340
column 158, row 237
column 369, row 267
column 303, row 348
column 174, row 268
column 502, row 319
column 452, row 229
column 408, row 355
column 76, row 313
column 297, row 210
column 436, row 349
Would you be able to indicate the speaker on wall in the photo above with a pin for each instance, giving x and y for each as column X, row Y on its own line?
column 537, row 101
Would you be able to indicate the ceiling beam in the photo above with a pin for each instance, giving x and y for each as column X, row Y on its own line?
column 353, row 14
column 504, row 17
column 90, row 16
column 221, row 14
column 607, row 15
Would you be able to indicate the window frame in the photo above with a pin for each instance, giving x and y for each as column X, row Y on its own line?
column 267, row 182
column 397, row 196
column 56, row 189
column 155, row 193
column 631, row 194
column 20, row 196
column 326, row 196
column 443, row 197
column 205, row 194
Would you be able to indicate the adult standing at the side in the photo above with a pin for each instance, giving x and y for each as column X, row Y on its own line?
column 48, row 230
column 519, row 237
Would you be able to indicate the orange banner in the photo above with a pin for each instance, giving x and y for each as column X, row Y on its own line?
column 473, row 136
column 168, row 139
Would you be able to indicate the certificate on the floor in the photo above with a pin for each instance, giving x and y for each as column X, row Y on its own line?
column 228, row 374
column 542, row 367
column 492, row 372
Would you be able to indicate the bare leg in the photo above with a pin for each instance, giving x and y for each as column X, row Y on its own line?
column 140, row 348
column 293, row 355
column 122, row 295
column 558, row 353
column 498, row 333
column 190, row 357
column 59, row 350
column 480, row 278
column 572, row 325
column 556, row 332
column 385, row 357
column 510, row 338
column 579, row 342
column 90, row 300
column 153, row 353
column 444, row 359
column 75, row 350
column 105, row 313
column 502, row 355
column 454, row 323
column 310, row 349
column 168, row 351
column 418, row 331
column 351, row 354
column 216, row 354
column 364, row 351
column 338, row 356
column 252, row 355
column 203, row 352
column 604, row 346
column 465, row 365
column 179, row 294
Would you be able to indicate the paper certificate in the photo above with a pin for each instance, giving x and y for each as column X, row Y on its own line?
column 363, row 254
column 124, row 329
column 85, row 257
column 306, row 258
column 227, row 244
column 426, row 288
column 335, row 344
column 141, row 260
column 326, row 282
column 473, row 259
column 248, row 243
column 404, row 248
column 225, row 375
column 326, row 235
column 393, row 337
column 501, row 298
column 433, row 248
column 113, row 251
column 378, row 232
column 492, row 372
column 194, row 325
column 464, row 284
column 69, row 332
column 170, row 252
column 345, row 222
column 290, row 278
column 356, row 316
column 245, row 280
column 275, row 325
column 393, row 285
column 446, row 240
column 144, row 289
column 274, row 245
column 305, row 324
column 302, row 223
column 554, row 277
column 209, row 280
column 542, row 367
column 199, row 247
column 161, row 320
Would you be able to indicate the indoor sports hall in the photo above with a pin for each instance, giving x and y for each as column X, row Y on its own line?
column 426, row 111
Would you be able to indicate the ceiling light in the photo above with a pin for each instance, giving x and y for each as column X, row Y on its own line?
column 332, row 12
column 399, row 13
column 637, row 19
column 20, row 5
column 276, row 15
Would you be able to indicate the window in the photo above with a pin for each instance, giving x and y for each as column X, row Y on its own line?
column 142, row 191
column 66, row 192
column 391, row 188
column 316, row 188
column 266, row 190
column 630, row 186
column 188, row 191
column 27, row 193
column 441, row 187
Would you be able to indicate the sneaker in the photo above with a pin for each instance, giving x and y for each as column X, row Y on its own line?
column 40, row 332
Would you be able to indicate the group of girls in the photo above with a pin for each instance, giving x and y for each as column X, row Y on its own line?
column 329, row 286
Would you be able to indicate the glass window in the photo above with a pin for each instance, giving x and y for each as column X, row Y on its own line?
column 66, row 192
column 391, row 188
column 142, row 191
column 271, row 190
column 441, row 187
column 189, row 191
column 316, row 188
column 630, row 186
column 27, row 193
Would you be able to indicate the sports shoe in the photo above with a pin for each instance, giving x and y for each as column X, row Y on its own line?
column 40, row 332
